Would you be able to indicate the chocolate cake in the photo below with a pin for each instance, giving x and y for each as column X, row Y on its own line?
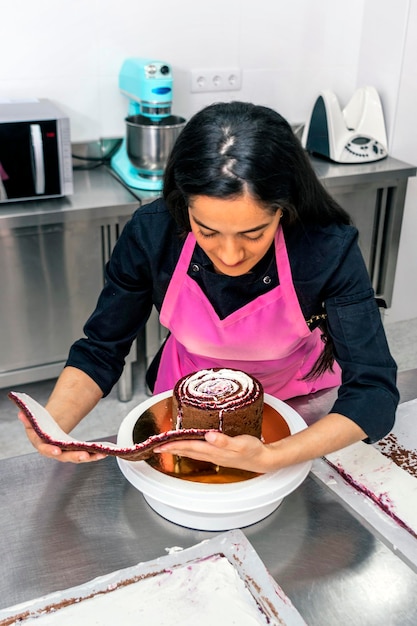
column 224, row 399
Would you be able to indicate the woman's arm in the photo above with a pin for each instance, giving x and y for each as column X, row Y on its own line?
column 331, row 433
column 336, row 275
column 144, row 256
column 368, row 394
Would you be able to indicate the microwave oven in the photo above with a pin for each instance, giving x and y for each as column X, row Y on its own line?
column 35, row 151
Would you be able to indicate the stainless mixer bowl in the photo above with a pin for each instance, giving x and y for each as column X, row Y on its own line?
column 149, row 143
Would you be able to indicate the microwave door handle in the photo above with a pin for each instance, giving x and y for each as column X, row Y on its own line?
column 38, row 165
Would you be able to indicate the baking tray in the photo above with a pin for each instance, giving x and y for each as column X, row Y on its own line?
column 403, row 439
column 275, row 607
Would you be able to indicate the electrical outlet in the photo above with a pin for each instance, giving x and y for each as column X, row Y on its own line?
column 226, row 79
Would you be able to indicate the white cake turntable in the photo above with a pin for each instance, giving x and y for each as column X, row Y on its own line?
column 201, row 496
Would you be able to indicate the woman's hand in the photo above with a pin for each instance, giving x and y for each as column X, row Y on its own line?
column 74, row 396
column 241, row 452
column 330, row 433
column 54, row 452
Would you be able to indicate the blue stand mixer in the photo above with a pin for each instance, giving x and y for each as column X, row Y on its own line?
column 151, row 130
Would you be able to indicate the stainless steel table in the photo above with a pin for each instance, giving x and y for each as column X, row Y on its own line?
column 62, row 525
column 52, row 256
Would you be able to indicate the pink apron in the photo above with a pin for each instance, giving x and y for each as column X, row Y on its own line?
column 267, row 338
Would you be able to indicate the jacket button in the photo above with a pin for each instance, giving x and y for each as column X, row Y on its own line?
column 195, row 267
column 267, row 280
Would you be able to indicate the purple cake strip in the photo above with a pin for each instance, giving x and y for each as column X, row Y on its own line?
column 43, row 423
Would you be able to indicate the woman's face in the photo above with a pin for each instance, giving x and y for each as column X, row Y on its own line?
column 234, row 233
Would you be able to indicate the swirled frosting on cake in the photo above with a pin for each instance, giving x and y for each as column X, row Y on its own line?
column 225, row 399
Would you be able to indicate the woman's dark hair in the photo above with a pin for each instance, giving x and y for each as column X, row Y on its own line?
column 229, row 148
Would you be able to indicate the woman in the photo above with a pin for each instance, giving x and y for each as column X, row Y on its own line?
column 252, row 265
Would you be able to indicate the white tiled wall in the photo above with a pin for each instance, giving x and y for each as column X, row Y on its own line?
column 71, row 52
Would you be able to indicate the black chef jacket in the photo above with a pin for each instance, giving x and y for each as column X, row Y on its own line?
column 329, row 275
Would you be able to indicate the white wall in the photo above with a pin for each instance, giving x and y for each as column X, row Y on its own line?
column 387, row 60
column 71, row 52
column 287, row 51
column 404, row 145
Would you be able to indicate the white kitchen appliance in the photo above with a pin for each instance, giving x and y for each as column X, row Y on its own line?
column 355, row 134
column 151, row 130
column 207, row 505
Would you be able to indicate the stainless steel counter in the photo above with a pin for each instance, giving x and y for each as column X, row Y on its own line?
column 97, row 195
column 62, row 525
column 52, row 256
column 336, row 175
column 374, row 196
